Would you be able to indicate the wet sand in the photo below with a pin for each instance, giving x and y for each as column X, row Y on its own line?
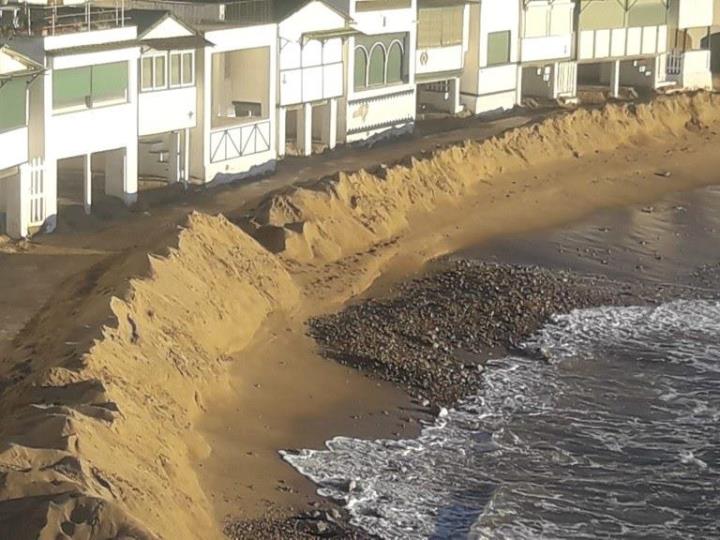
column 597, row 200
column 155, row 403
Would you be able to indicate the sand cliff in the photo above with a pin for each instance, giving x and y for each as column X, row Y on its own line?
column 99, row 396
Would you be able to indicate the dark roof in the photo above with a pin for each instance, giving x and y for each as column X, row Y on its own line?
column 145, row 19
column 282, row 9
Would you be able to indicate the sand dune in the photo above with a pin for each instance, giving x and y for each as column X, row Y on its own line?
column 99, row 396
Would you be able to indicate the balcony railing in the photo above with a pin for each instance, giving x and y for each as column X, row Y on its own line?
column 235, row 12
column 50, row 20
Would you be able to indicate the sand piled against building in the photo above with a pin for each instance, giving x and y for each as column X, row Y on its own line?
column 96, row 423
column 99, row 396
column 350, row 212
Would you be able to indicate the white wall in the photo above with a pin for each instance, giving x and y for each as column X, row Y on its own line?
column 225, row 40
column 13, row 147
column 547, row 30
column 370, row 112
column 695, row 13
column 439, row 59
column 622, row 42
column 487, row 88
column 167, row 110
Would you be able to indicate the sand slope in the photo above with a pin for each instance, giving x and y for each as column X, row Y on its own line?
column 99, row 396
column 342, row 215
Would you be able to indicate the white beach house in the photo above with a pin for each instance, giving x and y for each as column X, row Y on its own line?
column 311, row 78
column 547, row 49
column 167, row 99
column 689, row 30
column 20, row 205
column 380, row 98
column 490, row 79
column 622, row 42
column 83, row 108
column 442, row 42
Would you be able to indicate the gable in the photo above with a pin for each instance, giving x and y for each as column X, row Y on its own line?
column 167, row 28
column 312, row 17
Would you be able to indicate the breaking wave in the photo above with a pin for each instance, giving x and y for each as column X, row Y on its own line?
column 616, row 435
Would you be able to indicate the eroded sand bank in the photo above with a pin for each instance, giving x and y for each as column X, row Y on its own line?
column 104, row 388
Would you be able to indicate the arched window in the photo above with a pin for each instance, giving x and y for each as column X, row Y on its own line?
column 394, row 72
column 376, row 69
column 360, row 67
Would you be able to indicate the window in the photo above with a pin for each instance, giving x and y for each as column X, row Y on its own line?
column 440, row 27
column 360, row 68
column 182, row 67
column 647, row 13
column 394, row 71
column 384, row 64
column 376, row 66
column 154, row 72
column 88, row 86
column 498, row 48
column 13, row 97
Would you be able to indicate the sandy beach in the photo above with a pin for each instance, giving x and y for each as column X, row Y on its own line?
column 154, row 392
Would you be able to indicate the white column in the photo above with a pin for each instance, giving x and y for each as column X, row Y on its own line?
column 333, row 123
column 455, row 94
column 17, row 195
column 186, row 157
column 174, row 155
column 615, row 79
column 87, row 183
column 518, row 85
column 281, row 131
column 304, row 130
column 130, row 174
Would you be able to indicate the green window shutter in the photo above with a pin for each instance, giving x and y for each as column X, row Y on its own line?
column 498, row 48
column 175, row 76
column 109, row 82
column 71, row 87
column 187, row 68
column 160, row 71
column 13, row 97
column 599, row 14
column 360, row 68
column 146, row 73
column 376, row 69
column 452, row 25
column 647, row 13
column 395, row 64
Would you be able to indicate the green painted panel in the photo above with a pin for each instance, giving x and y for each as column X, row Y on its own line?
column 498, row 48
column 13, row 97
column 175, row 76
column 376, row 68
column 109, row 82
column 187, row 68
column 395, row 64
column 71, row 87
column 360, row 68
column 599, row 14
column 647, row 13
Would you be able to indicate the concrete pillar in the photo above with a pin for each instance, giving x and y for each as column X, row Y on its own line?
column 121, row 174
column 130, row 175
column 615, row 79
column 519, row 85
column 332, row 123
column 281, row 131
column 304, row 130
column 186, row 157
column 87, row 183
column 454, row 85
column 17, row 200
column 174, row 157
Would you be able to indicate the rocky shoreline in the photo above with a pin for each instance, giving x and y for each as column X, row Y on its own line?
column 432, row 336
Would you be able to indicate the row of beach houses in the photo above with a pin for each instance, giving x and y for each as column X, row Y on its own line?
column 95, row 96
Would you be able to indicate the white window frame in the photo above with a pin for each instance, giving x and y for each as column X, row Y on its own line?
column 191, row 52
column 153, row 57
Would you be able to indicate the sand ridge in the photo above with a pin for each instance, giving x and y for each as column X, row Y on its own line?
column 100, row 393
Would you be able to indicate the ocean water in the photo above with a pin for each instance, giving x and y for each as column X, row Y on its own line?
column 617, row 435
